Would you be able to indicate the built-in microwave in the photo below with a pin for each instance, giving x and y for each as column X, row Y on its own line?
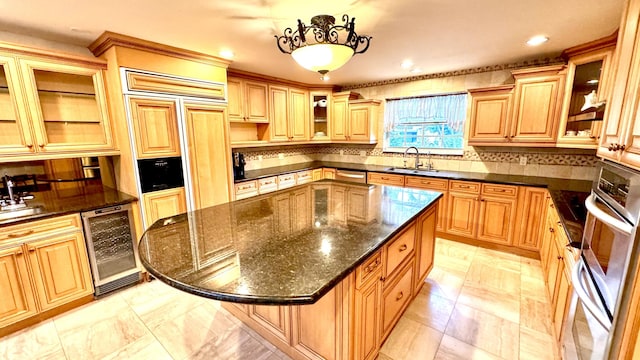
column 160, row 174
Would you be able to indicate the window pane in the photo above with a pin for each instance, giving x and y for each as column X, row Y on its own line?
column 431, row 122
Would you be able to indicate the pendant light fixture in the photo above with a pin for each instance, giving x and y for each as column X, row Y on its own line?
column 323, row 46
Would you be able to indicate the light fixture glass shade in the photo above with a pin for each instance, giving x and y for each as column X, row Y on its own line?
column 322, row 57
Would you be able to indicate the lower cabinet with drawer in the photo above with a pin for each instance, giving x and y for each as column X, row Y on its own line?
column 354, row 318
column 43, row 265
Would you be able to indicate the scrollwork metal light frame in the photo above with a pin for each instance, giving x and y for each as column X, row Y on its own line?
column 323, row 31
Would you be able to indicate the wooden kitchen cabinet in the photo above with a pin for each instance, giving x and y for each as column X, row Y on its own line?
column 385, row 179
column 367, row 313
column 17, row 301
column 209, row 154
column 620, row 139
column 353, row 119
column 289, row 113
column 328, row 173
column 530, row 218
column 155, row 127
column 52, row 104
column 537, row 105
column 298, row 202
column 462, row 212
column 67, row 105
column 275, row 319
column 61, row 269
column 588, row 70
column 526, row 115
column 425, row 247
column 497, row 213
column 435, row 184
column 248, row 101
column 43, row 265
column 163, row 203
column 490, row 118
column 396, row 298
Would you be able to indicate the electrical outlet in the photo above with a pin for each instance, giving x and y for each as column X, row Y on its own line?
column 281, row 156
column 523, row 160
column 341, row 152
column 363, row 153
column 259, row 157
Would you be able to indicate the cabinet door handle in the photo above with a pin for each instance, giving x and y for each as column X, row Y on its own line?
column 464, row 186
column 560, row 257
column 402, row 248
column 31, row 248
column 551, row 230
column 372, row 266
column 13, row 236
column 499, row 190
column 41, row 146
column 400, row 296
column 29, row 146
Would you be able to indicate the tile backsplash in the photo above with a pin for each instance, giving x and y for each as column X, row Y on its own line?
column 561, row 163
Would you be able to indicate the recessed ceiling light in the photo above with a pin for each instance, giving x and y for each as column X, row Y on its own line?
column 416, row 70
column 537, row 40
column 226, row 53
column 593, row 81
column 406, row 64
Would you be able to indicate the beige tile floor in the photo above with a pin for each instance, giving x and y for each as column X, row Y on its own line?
column 476, row 304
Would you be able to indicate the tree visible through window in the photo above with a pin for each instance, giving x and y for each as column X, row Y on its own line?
column 434, row 123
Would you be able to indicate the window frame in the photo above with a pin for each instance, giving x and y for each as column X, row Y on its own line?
column 434, row 151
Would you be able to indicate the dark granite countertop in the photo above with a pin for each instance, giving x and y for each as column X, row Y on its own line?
column 562, row 191
column 537, row 181
column 52, row 203
column 287, row 247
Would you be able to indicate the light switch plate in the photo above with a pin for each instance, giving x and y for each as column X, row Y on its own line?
column 281, row 156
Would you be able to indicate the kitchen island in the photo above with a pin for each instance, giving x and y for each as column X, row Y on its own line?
column 321, row 270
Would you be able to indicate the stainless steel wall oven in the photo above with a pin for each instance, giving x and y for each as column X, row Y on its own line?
column 601, row 278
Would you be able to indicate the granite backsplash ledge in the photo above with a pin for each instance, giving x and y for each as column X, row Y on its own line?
column 559, row 163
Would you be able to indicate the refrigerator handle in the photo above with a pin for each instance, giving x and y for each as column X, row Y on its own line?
column 580, row 286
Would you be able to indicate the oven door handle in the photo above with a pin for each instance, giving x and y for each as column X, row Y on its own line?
column 609, row 220
column 580, row 286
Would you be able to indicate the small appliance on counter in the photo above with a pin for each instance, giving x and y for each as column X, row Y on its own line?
column 238, row 165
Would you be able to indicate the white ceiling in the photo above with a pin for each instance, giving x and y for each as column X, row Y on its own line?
column 437, row 35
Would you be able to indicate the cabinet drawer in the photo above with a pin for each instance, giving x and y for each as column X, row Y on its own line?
column 164, row 84
column 426, row 183
column 304, row 177
column 396, row 299
column 499, row 190
column 246, row 189
column 267, row 185
column 286, row 181
column 398, row 250
column 67, row 223
column 464, row 186
column 385, row 179
column 369, row 269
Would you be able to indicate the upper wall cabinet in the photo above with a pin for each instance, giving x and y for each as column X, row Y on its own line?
column 354, row 120
column 490, row 115
column 537, row 105
column 525, row 116
column 586, row 92
column 289, row 113
column 620, row 137
column 320, row 111
column 248, row 101
column 52, row 107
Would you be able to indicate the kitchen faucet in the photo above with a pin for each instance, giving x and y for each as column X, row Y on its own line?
column 9, row 183
column 417, row 156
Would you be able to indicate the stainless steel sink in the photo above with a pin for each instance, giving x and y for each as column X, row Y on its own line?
column 27, row 211
column 411, row 171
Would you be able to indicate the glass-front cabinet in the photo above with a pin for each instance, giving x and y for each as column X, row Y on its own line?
column 67, row 106
column 15, row 134
column 52, row 105
column 586, row 93
column 320, row 115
